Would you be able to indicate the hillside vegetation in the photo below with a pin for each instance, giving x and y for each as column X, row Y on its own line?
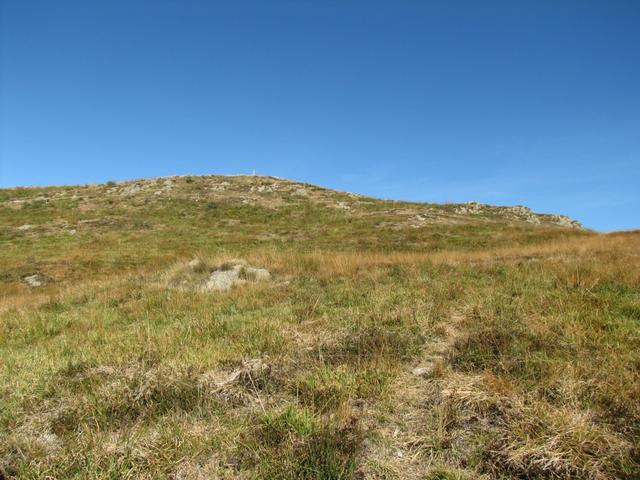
column 256, row 328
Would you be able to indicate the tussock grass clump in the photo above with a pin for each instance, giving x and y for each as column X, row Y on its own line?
column 535, row 441
column 112, row 396
column 328, row 389
column 295, row 444
column 516, row 435
column 373, row 342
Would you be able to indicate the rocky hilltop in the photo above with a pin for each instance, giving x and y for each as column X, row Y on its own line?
column 265, row 193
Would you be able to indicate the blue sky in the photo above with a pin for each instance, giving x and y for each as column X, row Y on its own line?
column 534, row 103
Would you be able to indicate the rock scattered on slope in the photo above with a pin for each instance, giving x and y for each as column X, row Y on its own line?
column 231, row 275
column 34, row 281
column 132, row 189
column 564, row 221
column 167, row 186
column 517, row 212
column 521, row 212
column 473, row 208
column 224, row 279
column 200, row 275
column 423, row 371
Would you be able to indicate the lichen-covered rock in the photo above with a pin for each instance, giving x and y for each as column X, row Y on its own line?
column 229, row 276
column 423, row 371
column 565, row 221
column 34, row 281
column 224, row 279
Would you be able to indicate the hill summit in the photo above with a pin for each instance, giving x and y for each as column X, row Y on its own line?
column 266, row 194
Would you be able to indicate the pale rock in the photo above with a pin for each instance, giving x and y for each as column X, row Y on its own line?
column 34, row 280
column 423, row 371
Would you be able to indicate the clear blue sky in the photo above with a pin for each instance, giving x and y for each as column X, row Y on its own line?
column 504, row 102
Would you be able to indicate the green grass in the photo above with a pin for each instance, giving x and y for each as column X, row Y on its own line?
column 110, row 370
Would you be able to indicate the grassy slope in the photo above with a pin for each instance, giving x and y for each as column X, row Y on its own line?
column 530, row 334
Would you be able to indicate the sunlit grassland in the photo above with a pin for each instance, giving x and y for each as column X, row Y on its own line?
column 108, row 372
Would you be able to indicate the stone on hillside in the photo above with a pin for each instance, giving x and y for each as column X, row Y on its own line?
column 262, row 188
column 34, row 280
column 520, row 210
column 132, row 189
column 565, row 221
column 524, row 213
column 423, row 371
column 469, row 208
column 224, row 279
column 238, row 273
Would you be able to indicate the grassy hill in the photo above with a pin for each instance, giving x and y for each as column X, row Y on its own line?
column 388, row 340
